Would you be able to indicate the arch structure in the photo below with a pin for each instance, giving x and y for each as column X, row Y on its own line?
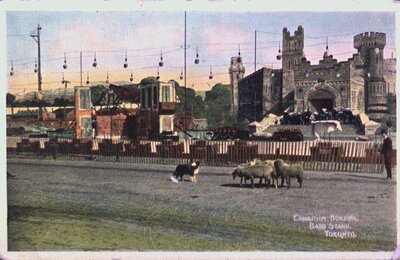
column 321, row 95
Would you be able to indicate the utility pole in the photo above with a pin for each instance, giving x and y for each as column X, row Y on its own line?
column 36, row 36
column 255, row 50
column 184, row 48
column 81, row 65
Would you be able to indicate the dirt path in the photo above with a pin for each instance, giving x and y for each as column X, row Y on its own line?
column 213, row 214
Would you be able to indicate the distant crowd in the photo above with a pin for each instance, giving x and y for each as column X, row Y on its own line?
column 344, row 116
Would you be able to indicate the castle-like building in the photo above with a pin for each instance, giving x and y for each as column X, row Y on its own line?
column 364, row 83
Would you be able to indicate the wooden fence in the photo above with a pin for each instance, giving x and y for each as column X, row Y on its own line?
column 342, row 156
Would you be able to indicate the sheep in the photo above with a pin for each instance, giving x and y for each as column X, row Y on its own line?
column 238, row 172
column 274, row 175
column 286, row 171
column 244, row 165
column 253, row 162
column 255, row 171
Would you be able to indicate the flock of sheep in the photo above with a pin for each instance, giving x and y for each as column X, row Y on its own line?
column 270, row 171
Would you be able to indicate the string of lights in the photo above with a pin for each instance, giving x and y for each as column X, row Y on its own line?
column 219, row 66
column 175, row 48
column 126, row 55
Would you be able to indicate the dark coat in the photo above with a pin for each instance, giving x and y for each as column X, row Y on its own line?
column 387, row 147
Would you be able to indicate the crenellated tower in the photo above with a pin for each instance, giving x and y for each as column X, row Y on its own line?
column 236, row 72
column 370, row 47
column 292, row 53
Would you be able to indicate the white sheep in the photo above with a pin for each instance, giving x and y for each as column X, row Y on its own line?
column 286, row 171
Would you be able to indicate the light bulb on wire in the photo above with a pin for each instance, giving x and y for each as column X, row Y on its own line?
column 94, row 61
column 65, row 61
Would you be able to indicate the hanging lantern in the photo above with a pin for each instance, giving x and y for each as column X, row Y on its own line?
column 158, row 74
column 131, row 78
column 126, row 61
column 87, row 79
column 12, row 69
column 197, row 60
column 239, row 59
column 65, row 61
column 161, row 63
column 107, row 80
column 36, row 69
column 181, row 76
column 211, row 75
column 94, row 61
column 279, row 56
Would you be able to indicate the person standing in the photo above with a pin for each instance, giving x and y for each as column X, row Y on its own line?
column 387, row 154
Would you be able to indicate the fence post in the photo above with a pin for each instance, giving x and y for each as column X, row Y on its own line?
column 277, row 152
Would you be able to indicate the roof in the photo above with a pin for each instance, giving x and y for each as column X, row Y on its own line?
column 118, row 94
column 149, row 80
column 61, row 110
column 27, row 113
column 127, row 93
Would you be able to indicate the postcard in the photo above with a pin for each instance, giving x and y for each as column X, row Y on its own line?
column 198, row 130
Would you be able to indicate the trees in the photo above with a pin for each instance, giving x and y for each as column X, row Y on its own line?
column 218, row 106
column 194, row 103
column 63, row 102
column 10, row 99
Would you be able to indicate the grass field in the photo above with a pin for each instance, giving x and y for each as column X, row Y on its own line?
column 82, row 208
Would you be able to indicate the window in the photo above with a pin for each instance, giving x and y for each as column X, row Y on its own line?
column 166, row 96
column 149, row 97
column 155, row 101
column 84, row 99
column 143, row 99
column 86, row 127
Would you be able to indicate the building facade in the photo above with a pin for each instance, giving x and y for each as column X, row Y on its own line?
column 83, row 112
column 358, row 83
column 157, row 108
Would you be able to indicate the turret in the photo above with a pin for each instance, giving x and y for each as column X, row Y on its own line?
column 236, row 72
column 292, row 54
column 370, row 47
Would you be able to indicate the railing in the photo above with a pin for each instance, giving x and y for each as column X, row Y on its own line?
column 343, row 156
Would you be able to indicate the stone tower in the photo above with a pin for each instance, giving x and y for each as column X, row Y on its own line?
column 292, row 53
column 370, row 47
column 236, row 72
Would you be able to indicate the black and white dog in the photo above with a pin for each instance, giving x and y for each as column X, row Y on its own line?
column 186, row 169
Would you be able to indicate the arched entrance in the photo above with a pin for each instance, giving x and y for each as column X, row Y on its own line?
column 320, row 99
column 321, row 96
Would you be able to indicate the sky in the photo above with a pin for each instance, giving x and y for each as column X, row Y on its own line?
column 143, row 36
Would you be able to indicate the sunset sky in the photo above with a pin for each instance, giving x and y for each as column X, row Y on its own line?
column 143, row 35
